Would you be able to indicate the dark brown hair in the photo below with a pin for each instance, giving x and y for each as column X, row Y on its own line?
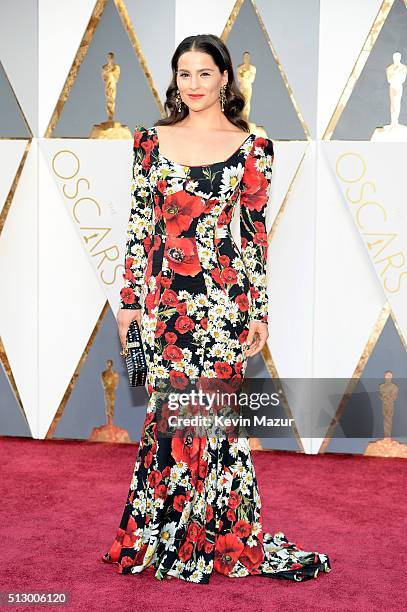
column 216, row 48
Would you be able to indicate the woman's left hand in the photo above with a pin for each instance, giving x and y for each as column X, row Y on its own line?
column 258, row 334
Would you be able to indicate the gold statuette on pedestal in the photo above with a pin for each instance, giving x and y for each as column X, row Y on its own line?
column 110, row 128
column 109, row 432
column 246, row 74
column 387, row 447
column 396, row 74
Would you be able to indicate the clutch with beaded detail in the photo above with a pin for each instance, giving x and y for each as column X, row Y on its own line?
column 135, row 356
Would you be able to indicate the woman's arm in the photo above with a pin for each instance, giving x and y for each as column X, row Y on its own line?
column 140, row 225
column 253, row 203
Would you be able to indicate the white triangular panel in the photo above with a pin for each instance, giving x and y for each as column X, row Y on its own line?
column 344, row 26
column 291, row 262
column 61, row 26
column 309, row 446
column 209, row 17
column 287, row 159
column 70, row 297
column 348, row 298
column 11, row 153
column 371, row 179
column 97, row 199
column 18, row 281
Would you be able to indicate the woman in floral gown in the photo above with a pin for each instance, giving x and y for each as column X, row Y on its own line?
column 193, row 504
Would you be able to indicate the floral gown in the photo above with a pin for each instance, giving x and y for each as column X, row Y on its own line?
column 193, row 503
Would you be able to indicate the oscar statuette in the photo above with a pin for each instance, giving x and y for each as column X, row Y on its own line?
column 387, row 447
column 109, row 432
column 110, row 128
column 246, row 74
column 394, row 132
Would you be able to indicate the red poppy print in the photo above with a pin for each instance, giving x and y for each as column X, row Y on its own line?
column 179, row 209
column 227, row 550
column 182, row 256
column 252, row 556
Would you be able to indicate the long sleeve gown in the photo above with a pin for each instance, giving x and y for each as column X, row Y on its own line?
column 193, row 504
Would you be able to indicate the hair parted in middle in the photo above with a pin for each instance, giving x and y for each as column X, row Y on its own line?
column 234, row 101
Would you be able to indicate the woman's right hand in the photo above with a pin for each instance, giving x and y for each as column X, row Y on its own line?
column 124, row 317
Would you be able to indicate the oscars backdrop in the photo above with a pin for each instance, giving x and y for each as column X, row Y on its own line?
column 326, row 81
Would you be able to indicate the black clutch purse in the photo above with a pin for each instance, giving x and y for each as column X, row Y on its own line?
column 135, row 356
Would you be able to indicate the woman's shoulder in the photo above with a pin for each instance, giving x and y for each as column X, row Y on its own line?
column 260, row 158
column 143, row 137
column 261, row 145
column 141, row 130
column 144, row 129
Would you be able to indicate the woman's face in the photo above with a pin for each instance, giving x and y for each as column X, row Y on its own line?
column 198, row 74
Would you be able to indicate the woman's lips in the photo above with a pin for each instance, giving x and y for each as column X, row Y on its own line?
column 195, row 96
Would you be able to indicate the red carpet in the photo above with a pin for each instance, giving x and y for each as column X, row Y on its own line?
column 62, row 502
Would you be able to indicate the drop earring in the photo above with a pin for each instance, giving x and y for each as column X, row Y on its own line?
column 222, row 96
column 178, row 101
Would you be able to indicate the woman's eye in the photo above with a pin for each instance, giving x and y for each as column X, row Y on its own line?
column 182, row 74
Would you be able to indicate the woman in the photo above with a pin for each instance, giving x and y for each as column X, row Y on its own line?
column 193, row 504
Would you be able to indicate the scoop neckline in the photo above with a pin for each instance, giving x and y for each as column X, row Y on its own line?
column 199, row 165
